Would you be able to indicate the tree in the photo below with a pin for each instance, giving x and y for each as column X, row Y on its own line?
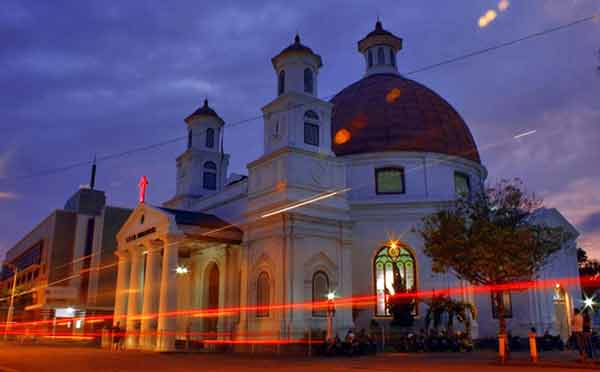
column 455, row 309
column 589, row 268
column 491, row 238
column 401, row 307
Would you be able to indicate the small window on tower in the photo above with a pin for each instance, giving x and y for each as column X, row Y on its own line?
column 370, row 58
column 311, row 128
column 392, row 57
column 281, row 82
column 190, row 139
column 209, row 176
column 308, row 80
column 210, row 138
column 380, row 56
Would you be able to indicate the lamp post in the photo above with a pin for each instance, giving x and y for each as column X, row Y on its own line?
column 11, row 307
column 330, row 314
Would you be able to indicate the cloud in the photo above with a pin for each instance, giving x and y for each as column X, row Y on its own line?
column 579, row 201
column 194, row 86
column 591, row 223
column 8, row 195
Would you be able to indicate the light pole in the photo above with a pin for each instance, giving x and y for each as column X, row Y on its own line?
column 11, row 307
column 330, row 314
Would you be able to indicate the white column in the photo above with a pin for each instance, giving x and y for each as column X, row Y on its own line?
column 121, row 292
column 151, row 298
column 134, row 299
column 167, row 321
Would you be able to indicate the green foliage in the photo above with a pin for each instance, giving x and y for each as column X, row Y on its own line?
column 454, row 309
column 491, row 238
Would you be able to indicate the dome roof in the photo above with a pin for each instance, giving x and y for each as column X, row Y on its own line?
column 204, row 110
column 297, row 47
column 387, row 112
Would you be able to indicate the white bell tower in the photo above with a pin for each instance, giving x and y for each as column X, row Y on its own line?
column 297, row 117
column 202, row 168
column 379, row 48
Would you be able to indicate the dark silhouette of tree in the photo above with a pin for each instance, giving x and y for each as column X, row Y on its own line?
column 491, row 239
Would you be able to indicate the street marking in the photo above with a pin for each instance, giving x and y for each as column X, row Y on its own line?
column 6, row 369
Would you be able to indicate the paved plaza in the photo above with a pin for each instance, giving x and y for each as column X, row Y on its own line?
column 24, row 358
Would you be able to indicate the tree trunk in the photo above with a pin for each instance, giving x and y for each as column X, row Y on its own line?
column 502, row 326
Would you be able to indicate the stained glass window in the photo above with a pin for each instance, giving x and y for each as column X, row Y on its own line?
column 386, row 259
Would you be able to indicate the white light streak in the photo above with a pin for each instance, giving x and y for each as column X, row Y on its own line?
column 525, row 134
column 305, row 202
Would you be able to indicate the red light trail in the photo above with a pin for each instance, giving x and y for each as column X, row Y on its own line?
column 355, row 301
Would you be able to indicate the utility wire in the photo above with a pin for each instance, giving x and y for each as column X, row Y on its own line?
column 257, row 117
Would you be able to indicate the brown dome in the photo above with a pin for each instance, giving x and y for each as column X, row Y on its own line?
column 387, row 112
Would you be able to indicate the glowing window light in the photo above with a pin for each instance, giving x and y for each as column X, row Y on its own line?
column 78, row 323
column 331, row 296
column 181, row 270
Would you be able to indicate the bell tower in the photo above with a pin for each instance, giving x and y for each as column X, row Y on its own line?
column 202, row 168
column 297, row 117
column 379, row 48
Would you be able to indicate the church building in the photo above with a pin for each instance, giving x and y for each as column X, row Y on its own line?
column 330, row 207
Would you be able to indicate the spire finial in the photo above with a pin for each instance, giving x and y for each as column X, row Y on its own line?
column 93, row 174
column 297, row 38
column 205, row 101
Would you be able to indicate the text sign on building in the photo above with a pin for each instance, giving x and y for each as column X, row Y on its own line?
column 133, row 237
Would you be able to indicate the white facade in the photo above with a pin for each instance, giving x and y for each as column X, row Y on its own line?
column 301, row 211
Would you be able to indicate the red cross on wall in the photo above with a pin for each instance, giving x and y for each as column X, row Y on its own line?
column 143, row 184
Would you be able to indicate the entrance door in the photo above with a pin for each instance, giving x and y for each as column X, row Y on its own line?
column 561, row 311
column 212, row 293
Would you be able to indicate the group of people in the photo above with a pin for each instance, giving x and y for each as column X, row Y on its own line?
column 352, row 344
column 581, row 327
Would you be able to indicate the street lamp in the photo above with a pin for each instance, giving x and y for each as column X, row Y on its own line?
column 11, row 307
column 330, row 314
column 589, row 302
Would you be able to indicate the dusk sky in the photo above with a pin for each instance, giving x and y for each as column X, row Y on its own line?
column 79, row 78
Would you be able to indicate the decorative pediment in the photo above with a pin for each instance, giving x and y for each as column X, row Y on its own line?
column 146, row 220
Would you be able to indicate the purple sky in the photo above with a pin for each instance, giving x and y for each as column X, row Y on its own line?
column 78, row 78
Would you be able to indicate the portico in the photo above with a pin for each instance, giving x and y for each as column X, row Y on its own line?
column 169, row 263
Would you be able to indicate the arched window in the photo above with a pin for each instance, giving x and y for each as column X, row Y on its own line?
column 370, row 58
column 393, row 263
column 263, row 292
column 380, row 56
column 311, row 128
column 281, row 82
column 210, row 138
column 209, row 176
column 320, row 288
column 392, row 57
column 212, row 289
column 308, row 80
column 190, row 139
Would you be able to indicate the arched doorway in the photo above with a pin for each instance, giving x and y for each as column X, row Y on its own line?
column 562, row 311
column 211, row 278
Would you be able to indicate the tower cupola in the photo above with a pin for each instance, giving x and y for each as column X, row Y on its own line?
column 297, row 68
column 379, row 48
